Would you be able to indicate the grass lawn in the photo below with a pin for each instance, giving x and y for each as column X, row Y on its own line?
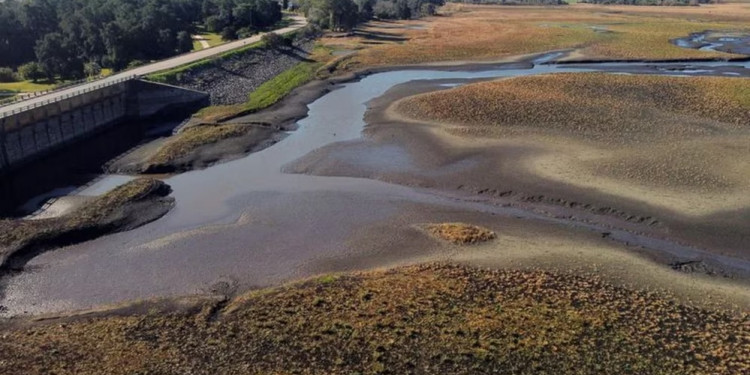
column 213, row 39
column 26, row 86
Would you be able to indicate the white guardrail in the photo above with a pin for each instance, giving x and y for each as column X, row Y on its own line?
column 58, row 98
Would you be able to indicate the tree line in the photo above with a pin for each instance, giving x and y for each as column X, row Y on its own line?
column 344, row 15
column 75, row 38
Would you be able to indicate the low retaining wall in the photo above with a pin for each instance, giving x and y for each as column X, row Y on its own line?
column 33, row 133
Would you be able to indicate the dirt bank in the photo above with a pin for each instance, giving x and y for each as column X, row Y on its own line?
column 124, row 208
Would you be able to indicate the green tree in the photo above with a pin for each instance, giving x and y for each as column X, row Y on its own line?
column 229, row 33
column 31, row 71
column 7, row 75
column 215, row 24
column 273, row 40
column 57, row 57
column 184, row 42
column 92, row 69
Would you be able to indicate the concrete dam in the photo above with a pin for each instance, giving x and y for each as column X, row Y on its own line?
column 36, row 131
column 37, row 134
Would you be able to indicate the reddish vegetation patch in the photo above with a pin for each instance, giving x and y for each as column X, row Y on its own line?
column 431, row 319
column 460, row 233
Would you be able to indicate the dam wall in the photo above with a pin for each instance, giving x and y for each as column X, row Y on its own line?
column 34, row 132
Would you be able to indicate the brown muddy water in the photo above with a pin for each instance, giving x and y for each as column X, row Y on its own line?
column 246, row 223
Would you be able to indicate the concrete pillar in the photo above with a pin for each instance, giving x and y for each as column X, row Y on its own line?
column 13, row 147
column 108, row 110
column 88, row 118
column 99, row 113
column 47, row 117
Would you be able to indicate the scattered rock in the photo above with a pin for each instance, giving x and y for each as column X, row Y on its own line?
column 230, row 80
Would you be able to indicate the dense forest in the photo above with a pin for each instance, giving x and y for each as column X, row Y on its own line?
column 73, row 38
column 76, row 38
column 343, row 15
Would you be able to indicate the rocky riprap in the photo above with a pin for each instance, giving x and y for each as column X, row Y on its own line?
column 230, row 80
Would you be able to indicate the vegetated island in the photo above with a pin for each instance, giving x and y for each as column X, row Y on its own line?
column 126, row 207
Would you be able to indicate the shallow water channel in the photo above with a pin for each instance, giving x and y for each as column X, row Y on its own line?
column 245, row 223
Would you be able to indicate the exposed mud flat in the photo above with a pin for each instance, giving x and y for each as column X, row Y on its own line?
column 737, row 42
column 520, row 170
column 127, row 207
column 245, row 224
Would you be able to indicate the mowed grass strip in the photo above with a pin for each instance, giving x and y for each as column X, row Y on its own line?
column 25, row 86
column 436, row 319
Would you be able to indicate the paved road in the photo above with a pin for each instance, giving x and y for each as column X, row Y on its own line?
column 298, row 22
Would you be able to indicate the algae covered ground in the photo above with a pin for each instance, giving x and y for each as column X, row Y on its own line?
column 420, row 319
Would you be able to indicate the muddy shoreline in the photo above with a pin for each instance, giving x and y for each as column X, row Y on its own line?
column 223, row 229
column 95, row 217
column 284, row 114
column 560, row 201
column 431, row 153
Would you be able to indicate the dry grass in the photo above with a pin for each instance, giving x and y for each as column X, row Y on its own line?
column 606, row 108
column 674, row 142
column 423, row 319
column 472, row 32
column 193, row 137
column 460, row 233
column 100, row 214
